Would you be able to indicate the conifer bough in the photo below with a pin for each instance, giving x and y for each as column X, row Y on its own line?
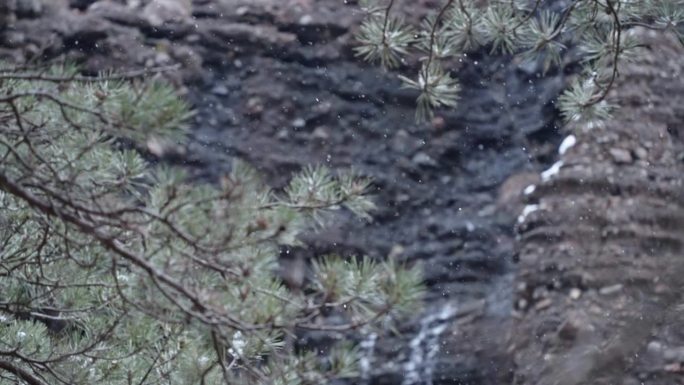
column 114, row 270
column 533, row 29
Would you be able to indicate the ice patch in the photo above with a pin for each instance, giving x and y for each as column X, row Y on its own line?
column 566, row 144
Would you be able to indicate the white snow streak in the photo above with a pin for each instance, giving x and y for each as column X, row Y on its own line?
column 566, row 144
column 529, row 189
column 529, row 209
column 553, row 170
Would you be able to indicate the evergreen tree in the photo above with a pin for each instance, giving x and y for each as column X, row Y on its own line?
column 532, row 29
column 117, row 270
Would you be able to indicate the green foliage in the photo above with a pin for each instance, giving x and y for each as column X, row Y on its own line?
column 384, row 40
column 531, row 29
column 115, row 271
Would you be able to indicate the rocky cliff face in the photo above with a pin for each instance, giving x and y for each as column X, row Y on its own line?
column 276, row 83
column 601, row 248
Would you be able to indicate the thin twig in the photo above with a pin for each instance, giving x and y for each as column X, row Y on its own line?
column 8, row 75
column 386, row 22
column 617, row 34
column 433, row 35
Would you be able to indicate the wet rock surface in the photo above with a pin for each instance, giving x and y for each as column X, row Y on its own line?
column 276, row 83
column 438, row 188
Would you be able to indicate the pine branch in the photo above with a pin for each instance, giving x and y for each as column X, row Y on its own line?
column 25, row 375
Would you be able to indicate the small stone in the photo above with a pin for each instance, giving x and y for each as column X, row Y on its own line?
column 283, row 134
column 641, row 153
column 155, row 146
column 660, row 288
column 470, row 227
column 320, row 133
column 621, row 155
column 487, row 211
column 674, row 354
column 396, row 251
column 522, row 304
column 423, row 159
column 543, row 304
column 255, row 106
column 220, row 90
column 608, row 290
column 164, row 147
column 322, row 108
column 675, row 367
column 654, row 347
column 158, row 12
column 539, row 293
column 299, row 123
column 305, row 20
column 568, row 331
column 162, row 58
column 575, row 293
column 438, row 123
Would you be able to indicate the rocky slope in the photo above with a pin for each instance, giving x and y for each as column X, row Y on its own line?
column 601, row 251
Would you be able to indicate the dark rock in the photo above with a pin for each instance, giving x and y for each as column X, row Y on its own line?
column 220, row 90
column 620, row 155
column 28, row 8
column 12, row 39
column 423, row 159
column 85, row 33
column 568, row 330
column 81, row 4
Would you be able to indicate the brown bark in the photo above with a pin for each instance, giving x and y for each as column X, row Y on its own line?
column 601, row 263
column 23, row 374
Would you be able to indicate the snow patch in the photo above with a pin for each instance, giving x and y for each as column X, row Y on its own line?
column 553, row 170
column 529, row 189
column 238, row 343
column 566, row 144
column 529, row 209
